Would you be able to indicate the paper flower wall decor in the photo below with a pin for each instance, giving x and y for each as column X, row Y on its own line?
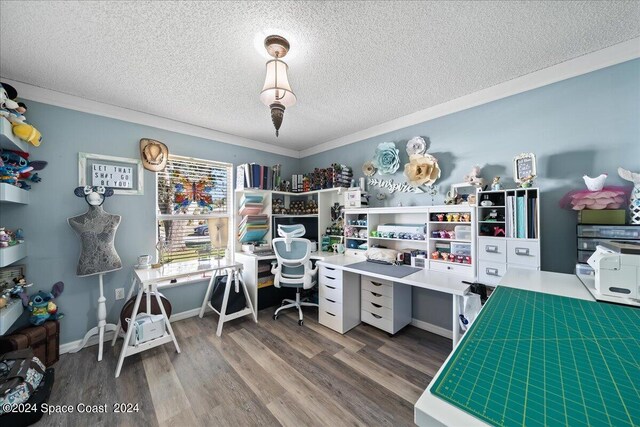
column 368, row 168
column 416, row 145
column 386, row 158
column 422, row 169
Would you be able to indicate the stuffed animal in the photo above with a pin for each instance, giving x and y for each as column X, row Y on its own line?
column 15, row 168
column 14, row 112
column 474, row 177
column 27, row 133
column 41, row 305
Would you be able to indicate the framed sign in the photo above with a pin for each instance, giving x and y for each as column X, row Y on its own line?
column 524, row 166
column 124, row 175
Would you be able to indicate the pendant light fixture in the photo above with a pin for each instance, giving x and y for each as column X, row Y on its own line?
column 276, row 92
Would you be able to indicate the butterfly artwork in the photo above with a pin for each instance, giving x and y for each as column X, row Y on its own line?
column 187, row 192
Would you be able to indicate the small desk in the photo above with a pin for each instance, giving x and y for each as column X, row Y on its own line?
column 426, row 279
column 150, row 280
column 430, row 410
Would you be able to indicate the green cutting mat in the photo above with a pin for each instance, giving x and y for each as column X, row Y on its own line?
column 538, row 359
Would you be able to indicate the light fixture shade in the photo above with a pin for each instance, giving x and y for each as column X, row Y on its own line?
column 276, row 87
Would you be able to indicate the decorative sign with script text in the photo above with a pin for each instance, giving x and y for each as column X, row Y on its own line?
column 112, row 176
column 393, row 186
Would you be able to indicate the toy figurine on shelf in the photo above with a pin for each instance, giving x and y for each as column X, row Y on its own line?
column 498, row 232
column 435, row 255
column 527, row 182
column 496, row 185
column 474, row 177
column 15, row 168
column 41, row 305
column 493, row 215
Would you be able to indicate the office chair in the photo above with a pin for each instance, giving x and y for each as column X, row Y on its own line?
column 293, row 267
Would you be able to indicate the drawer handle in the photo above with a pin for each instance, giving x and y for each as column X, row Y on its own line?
column 492, row 271
column 376, row 283
column 493, row 249
column 376, row 316
column 449, row 267
column 330, row 314
column 329, row 277
column 522, row 251
column 330, row 287
column 329, row 268
column 375, row 294
column 330, row 300
column 376, row 305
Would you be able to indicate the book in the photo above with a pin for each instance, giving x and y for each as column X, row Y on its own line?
column 255, row 175
column 520, row 218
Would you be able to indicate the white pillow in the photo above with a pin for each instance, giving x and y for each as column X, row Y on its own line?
column 381, row 254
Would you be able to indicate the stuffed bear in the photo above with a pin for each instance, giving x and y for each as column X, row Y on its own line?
column 41, row 305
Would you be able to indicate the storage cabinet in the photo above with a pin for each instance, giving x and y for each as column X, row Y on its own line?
column 338, row 299
column 508, row 232
column 385, row 305
column 591, row 235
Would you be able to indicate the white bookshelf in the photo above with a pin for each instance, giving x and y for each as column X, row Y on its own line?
column 497, row 252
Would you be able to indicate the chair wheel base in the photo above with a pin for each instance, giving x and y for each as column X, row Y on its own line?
column 300, row 322
column 275, row 317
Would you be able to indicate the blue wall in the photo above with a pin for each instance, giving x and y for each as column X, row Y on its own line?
column 53, row 247
column 589, row 124
column 585, row 125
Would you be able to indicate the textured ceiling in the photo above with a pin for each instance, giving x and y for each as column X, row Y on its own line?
column 353, row 65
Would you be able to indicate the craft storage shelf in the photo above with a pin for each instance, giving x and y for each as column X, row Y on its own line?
column 508, row 232
column 12, row 194
column 591, row 235
column 12, row 254
column 8, row 141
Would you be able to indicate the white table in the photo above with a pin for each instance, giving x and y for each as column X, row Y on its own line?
column 148, row 281
column 426, row 279
column 430, row 410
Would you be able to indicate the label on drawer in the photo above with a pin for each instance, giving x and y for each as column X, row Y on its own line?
column 492, row 249
column 523, row 252
column 490, row 273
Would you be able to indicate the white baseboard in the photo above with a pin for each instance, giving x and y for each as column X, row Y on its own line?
column 108, row 336
column 430, row 327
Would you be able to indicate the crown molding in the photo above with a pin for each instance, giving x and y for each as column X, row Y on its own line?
column 584, row 64
column 72, row 102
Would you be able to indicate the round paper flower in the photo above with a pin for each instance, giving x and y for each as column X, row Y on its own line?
column 386, row 158
column 368, row 169
column 416, row 145
column 422, row 169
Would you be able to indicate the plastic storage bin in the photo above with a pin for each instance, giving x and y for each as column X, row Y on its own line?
column 461, row 248
column 463, row 232
column 585, row 269
column 609, row 231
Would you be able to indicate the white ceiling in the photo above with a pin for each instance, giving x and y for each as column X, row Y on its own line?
column 353, row 65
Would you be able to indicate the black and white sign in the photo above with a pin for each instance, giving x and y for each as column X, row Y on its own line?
column 524, row 166
column 112, row 176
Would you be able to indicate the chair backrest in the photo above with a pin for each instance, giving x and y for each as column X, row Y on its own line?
column 294, row 262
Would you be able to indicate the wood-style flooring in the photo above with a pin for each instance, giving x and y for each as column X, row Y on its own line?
column 268, row 374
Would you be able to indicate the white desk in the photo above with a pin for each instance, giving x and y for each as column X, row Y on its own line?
column 426, row 279
column 148, row 281
column 433, row 411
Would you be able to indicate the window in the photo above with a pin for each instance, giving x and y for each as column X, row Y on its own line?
column 194, row 209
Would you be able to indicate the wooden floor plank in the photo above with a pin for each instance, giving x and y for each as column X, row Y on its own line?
column 405, row 371
column 382, row 375
column 286, row 329
column 289, row 413
column 420, row 360
column 317, row 404
column 314, row 328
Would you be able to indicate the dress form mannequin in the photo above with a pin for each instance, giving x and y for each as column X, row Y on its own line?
column 97, row 231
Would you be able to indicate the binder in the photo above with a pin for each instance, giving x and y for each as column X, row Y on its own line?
column 255, row 178
column 520, row 217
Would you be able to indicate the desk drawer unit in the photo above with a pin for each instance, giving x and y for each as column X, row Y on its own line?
column 523, row 252
column 494, row 250
column 490, row 273
column 385, row 305
column 338, row 299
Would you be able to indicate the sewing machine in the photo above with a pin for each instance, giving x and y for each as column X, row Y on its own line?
column 617, row 269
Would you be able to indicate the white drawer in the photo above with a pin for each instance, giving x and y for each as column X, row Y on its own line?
column 330, row 271
column 377, row 321
column 326, row 304
column 331, row 292
column 523, row 252
column 492, row 249
column 379, row 286
column 451, row 267
column 330, row 320
column 490, row 273
column 377, row 298
column 375, row 308
column 331, row 279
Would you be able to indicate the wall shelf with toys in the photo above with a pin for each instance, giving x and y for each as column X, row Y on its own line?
column 508, row 232
column 12, row 194
column 12, row 254
column 8, row 141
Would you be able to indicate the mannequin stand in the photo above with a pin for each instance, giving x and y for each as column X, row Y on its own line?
column 102, row 323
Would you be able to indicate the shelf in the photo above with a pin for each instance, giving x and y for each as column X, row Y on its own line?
column 9, row 314
column 8, row 141
column 450, row 262
column 294, row 216
column 491, row 222
column 356, row 238
column 398, row 240
column 334, row 235
column 450, row 222
column 12, row 254
column 439, row 239
column 356, row 226
column 491, row 207
column 12, row 194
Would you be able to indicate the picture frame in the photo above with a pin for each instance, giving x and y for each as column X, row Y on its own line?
column 524, row 166
column 125, row 176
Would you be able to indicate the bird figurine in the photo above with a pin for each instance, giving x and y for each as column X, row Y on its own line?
column 595, row 184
